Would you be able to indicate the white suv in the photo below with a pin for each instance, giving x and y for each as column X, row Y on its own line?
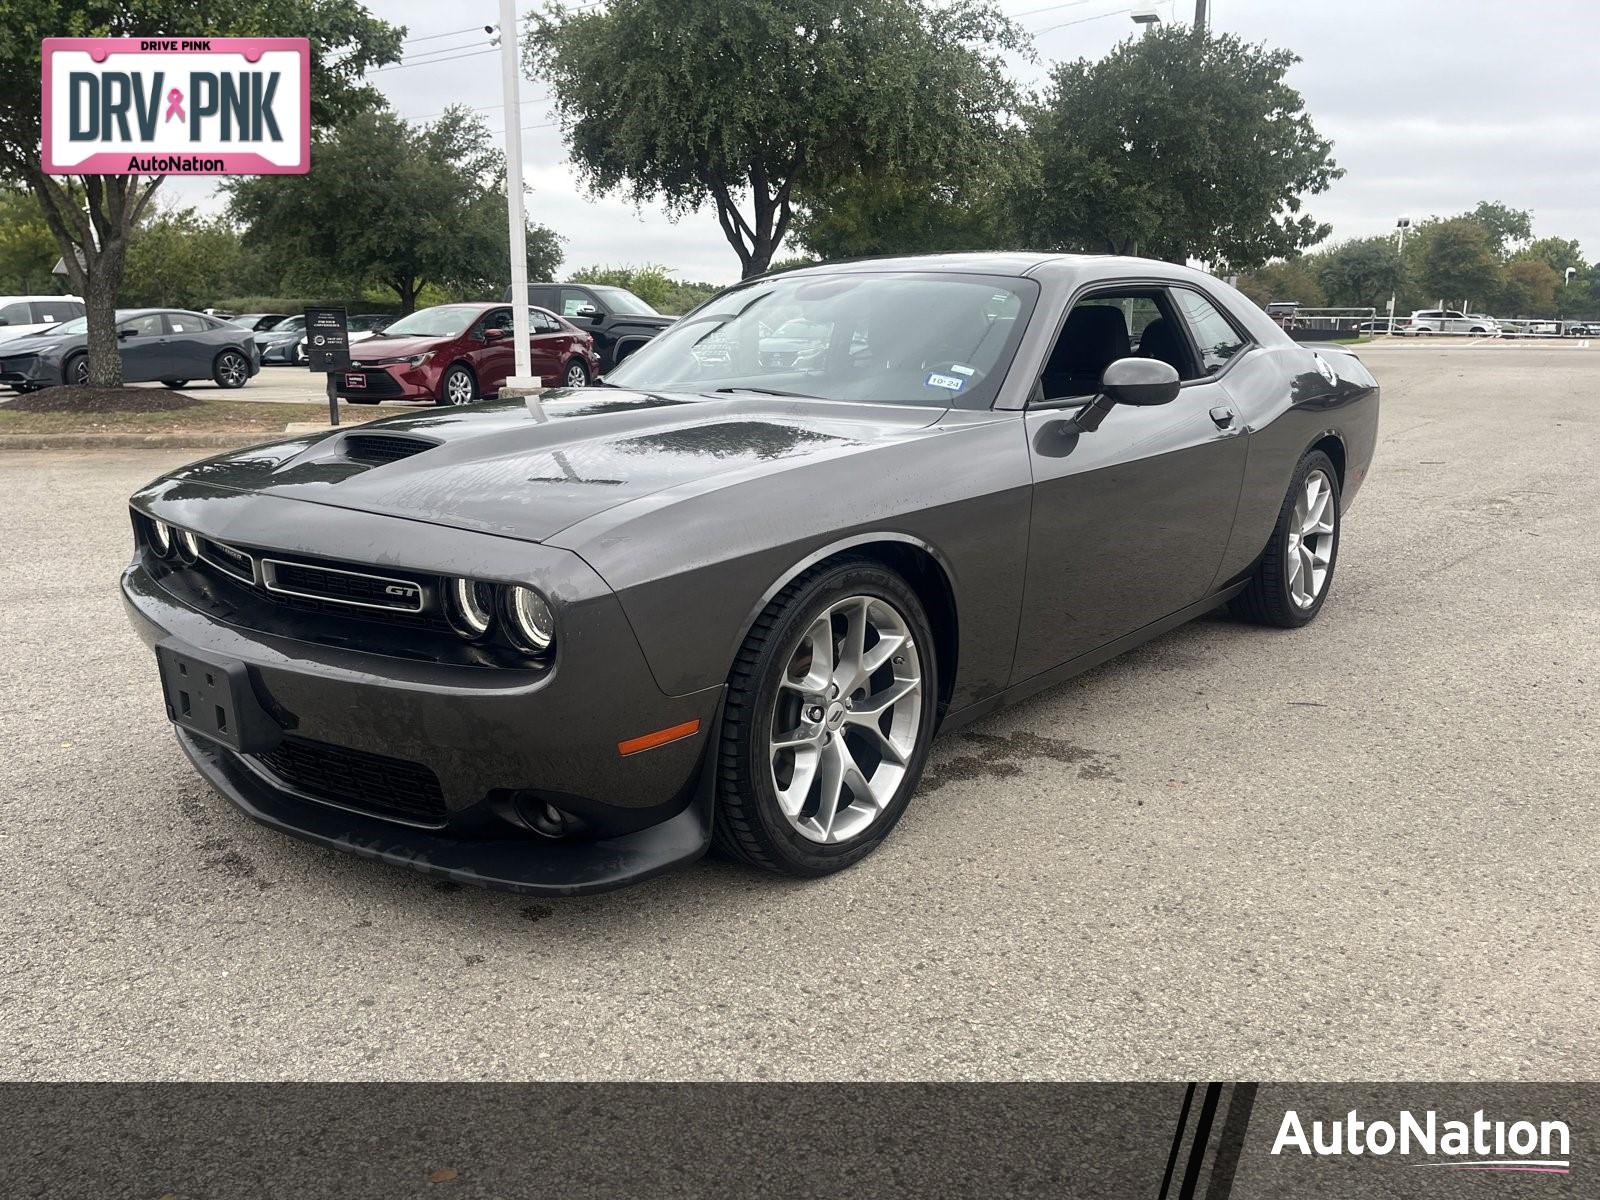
column 1448, row 320
column 22, row 315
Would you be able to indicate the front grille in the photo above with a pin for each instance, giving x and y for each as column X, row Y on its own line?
column 353, row 588
column 370, row 783
column 375, row 449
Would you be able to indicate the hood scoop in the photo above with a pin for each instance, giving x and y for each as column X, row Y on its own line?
column 376, row 449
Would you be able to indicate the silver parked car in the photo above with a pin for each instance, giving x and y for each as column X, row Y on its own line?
column 1447, row 320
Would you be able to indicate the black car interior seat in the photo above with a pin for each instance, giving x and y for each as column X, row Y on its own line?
column 1094, row 337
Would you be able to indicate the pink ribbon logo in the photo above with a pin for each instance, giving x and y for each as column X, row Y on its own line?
column 175, row 105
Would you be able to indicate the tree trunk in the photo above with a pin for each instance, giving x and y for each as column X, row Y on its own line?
column 406, row 291
column 100, row 306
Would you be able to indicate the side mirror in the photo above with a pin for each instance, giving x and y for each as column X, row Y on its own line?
column 588, row 310
column 1139, row 381
column 495, row 335
column 124, row 334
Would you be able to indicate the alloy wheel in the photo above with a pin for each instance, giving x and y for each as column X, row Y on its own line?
column 80, row 372
column 231, row 371
column 846, row 719
column 1310, row 540
column 458, row 388
column 577, row 376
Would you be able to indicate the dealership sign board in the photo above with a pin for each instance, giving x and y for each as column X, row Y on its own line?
column 177, row 106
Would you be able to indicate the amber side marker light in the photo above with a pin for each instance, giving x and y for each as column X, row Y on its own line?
column 649, row 741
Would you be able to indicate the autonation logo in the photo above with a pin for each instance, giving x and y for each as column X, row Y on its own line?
column 1479, row 1144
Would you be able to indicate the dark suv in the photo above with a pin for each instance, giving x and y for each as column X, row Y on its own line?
column 619, row 320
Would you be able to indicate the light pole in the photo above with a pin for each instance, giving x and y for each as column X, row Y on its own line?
column 1402, row 225
column 511, row 85
column 1148, row 17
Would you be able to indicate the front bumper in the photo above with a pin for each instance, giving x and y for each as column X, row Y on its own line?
column 29, row 370
column 496, row 739
column 281, row 353
column 398, row 381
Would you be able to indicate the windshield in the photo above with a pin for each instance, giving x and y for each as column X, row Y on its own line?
column 76, row 325
column 891, row 338
column 289, row 325
column 447, row 320
column 623, row 301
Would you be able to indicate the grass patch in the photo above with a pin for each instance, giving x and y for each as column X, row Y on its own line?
column 198, row 416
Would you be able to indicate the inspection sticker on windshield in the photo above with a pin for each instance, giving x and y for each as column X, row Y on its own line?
column 962, row 369
column 953, row 382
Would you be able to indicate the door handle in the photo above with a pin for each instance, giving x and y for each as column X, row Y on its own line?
column 1223, row 416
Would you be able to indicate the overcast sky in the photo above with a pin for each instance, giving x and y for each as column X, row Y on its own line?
column 1432, row 105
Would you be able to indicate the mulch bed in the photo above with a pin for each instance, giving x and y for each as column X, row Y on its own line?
column 102, row 400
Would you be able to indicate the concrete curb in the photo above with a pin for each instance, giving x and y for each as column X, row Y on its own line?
column 134, row 441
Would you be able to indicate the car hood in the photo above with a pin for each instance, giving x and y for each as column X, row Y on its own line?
column 529, row 469
column 377, row 346
column 35, row 343
column 277, row 335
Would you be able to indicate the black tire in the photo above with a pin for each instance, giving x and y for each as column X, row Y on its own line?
column 75, row 371
column 356, row 400
column 749, row 824
column 575, row 373
column 457, row 382
column 1266, row 599
column 174, row 383
column 230, row 370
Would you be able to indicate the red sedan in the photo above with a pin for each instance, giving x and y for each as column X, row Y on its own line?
column 457, row 353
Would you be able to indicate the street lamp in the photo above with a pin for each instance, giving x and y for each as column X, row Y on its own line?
column 1403, row 224
column 1148, row 17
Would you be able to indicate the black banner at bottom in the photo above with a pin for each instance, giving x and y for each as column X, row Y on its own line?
column 1202, row 1141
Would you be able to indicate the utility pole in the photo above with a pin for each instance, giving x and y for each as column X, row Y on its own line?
column 510, row 75
column 1199, row 16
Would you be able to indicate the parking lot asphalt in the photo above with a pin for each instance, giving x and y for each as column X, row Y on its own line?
column 1362, row 850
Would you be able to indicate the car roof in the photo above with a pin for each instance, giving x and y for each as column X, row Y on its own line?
column 15, row 299
column 1031, row 263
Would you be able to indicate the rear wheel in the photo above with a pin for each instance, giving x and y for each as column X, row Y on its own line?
column 828, row 718
column 458, row 386
column 231, row 370
column 174, row 383
column 576, row 374
column 1292, row 578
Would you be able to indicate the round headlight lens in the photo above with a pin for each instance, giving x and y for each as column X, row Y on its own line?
column 161, row 538
column 188, row 545
column 532, row 622
column 471, row 607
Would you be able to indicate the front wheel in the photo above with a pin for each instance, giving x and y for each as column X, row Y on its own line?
column 829, row 714
column 1292, row 578
column 174, row 383
column 457, row 386
column 76, row 370
column 231, row 370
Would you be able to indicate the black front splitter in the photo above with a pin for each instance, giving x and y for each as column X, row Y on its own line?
column 566, row 868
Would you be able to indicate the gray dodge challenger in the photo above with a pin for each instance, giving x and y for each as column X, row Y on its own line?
column 564, row 643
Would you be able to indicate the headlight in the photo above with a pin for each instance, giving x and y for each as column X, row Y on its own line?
column 471, row 606
column 160, row 537
column 188, row 546
column 532, row 623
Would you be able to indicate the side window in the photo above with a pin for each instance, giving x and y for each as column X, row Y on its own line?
column 17, row 314
column 540, row 321
column 148, row 325
column 184, row 323
column 572, row 300
column 53, row 312
column 500, row 318
column 1216, row 339
column 1109, row 326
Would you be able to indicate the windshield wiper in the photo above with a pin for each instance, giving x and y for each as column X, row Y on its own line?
column 767, row 392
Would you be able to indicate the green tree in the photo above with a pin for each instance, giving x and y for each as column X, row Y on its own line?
column 745, row 107
column 1360, row 273
column 1528, row 288
column 1505, row 225
column 183, row 259
column 1456, row 261
column 1178, row 145
column 1556, row 253
column 652, row 283
column 28, row 249
column 1292, row 279
column 93, row 217
column 437, row 217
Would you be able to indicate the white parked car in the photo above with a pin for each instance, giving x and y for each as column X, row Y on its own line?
column 21, row 316
column 1447, row 320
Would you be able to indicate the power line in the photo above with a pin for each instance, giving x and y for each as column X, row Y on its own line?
column 433, row 37
column 1081, row 21
column 429, row 62
column 1033, row 12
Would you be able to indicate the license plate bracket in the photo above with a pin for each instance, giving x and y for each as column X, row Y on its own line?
column 212, row 696
column 355, row 380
